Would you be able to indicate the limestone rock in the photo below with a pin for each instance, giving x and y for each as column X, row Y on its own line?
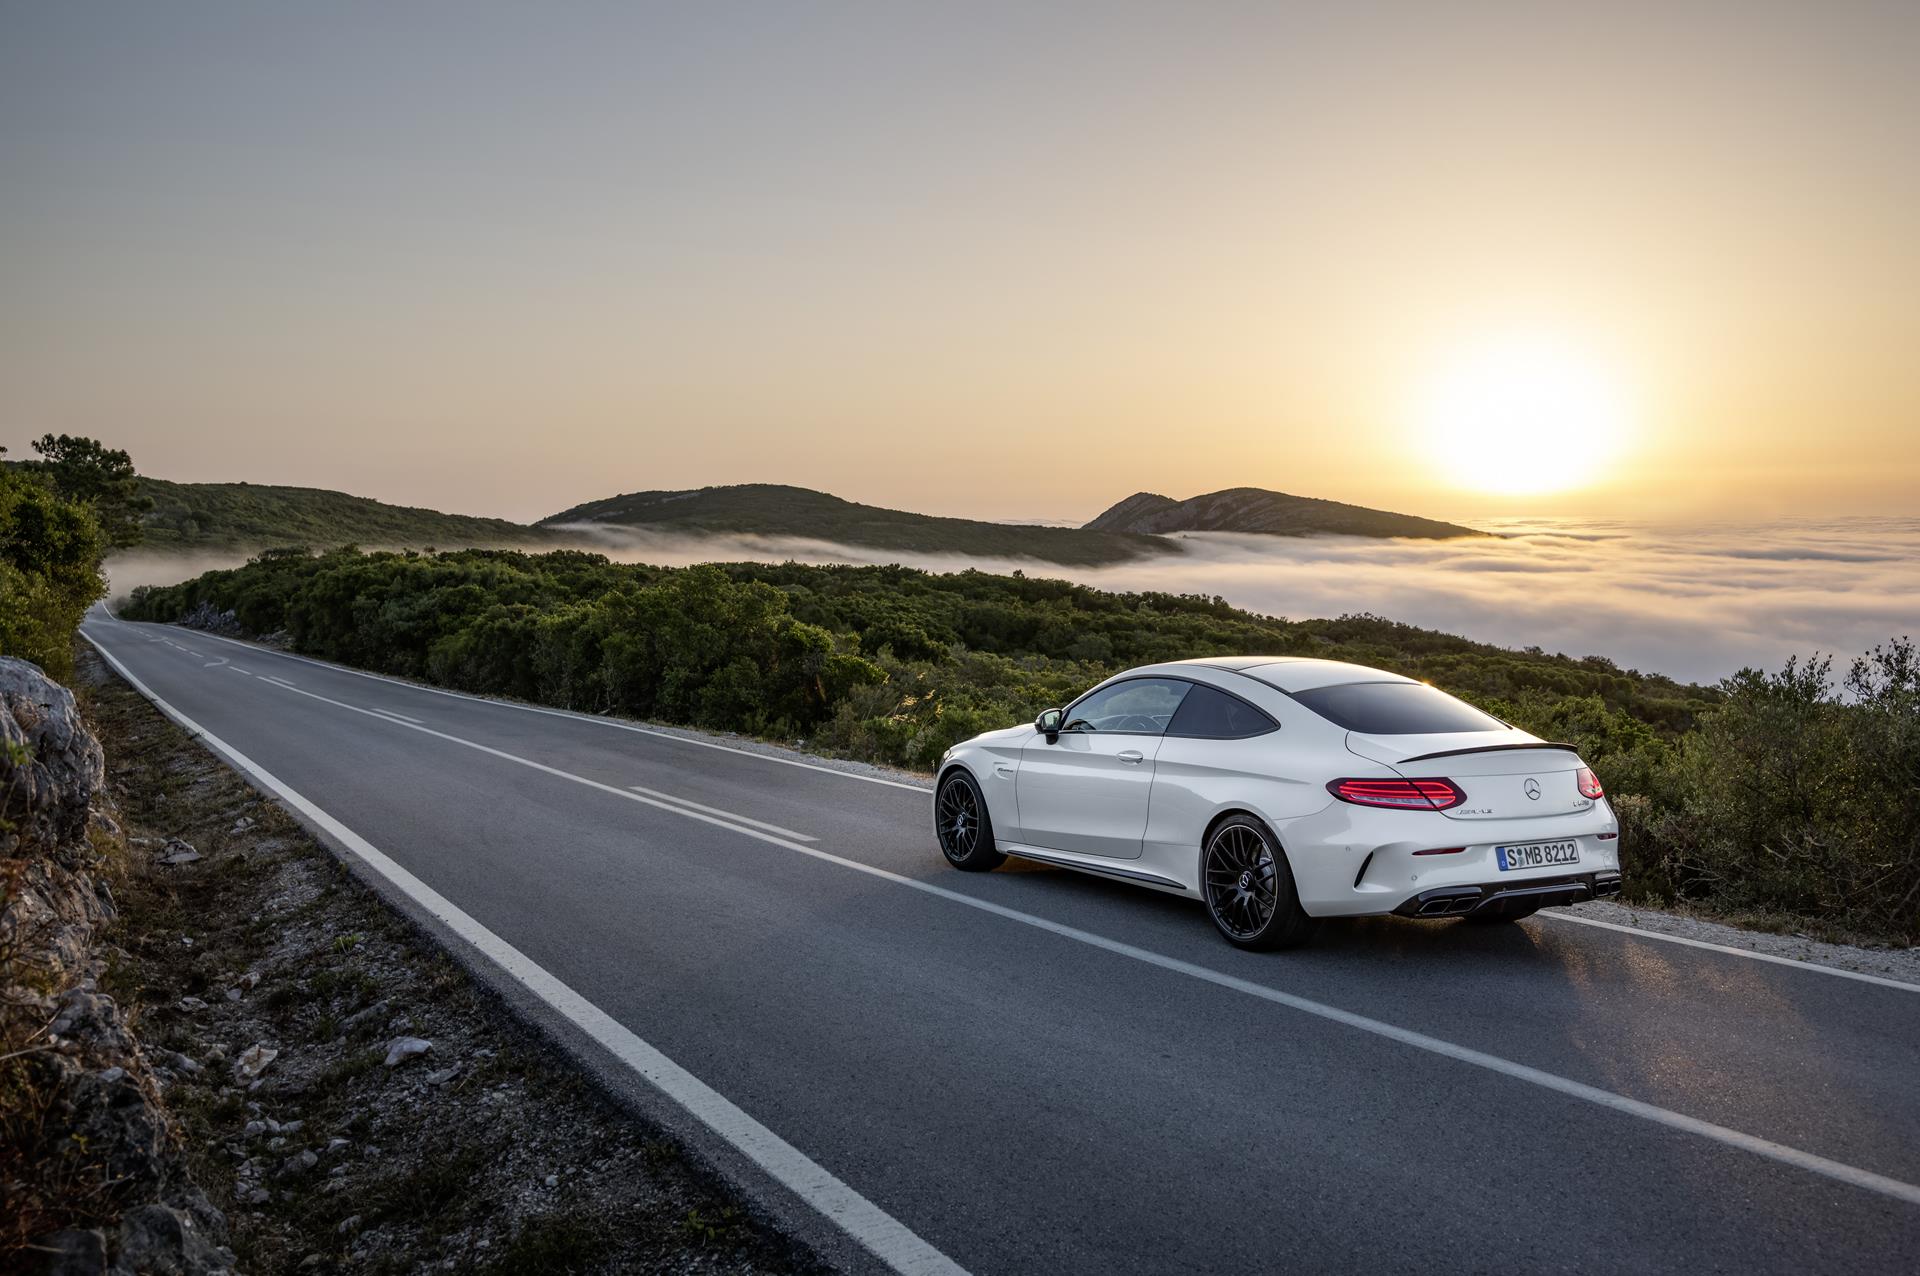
column 50, row 764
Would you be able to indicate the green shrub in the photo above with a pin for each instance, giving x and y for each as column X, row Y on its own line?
column 1629, row 755
column 1792, row 798
column 50, row 550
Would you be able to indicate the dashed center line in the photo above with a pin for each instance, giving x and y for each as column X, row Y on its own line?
column 729, row 816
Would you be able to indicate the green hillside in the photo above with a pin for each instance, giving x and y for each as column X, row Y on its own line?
column 260, row 516
column 1255, row 509
column 771, row 509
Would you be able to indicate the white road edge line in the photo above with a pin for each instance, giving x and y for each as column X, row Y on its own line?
column 578, row 717
column 729, row 816
column 1839, row 1171
column 880, row 1233
column 678, row 806
column 1843, row 973
column 1726, row 949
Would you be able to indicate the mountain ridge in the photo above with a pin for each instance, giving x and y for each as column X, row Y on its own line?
column 1265, row 512
column 780, row 509
column 269, row 515
column 261, row 516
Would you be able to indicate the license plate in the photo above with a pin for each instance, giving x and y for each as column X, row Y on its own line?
column 1537, row 855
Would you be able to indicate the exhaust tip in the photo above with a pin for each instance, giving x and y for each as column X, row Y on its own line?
column 1448, row 905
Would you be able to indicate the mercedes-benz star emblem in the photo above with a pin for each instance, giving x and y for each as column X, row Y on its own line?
column 1533, row 789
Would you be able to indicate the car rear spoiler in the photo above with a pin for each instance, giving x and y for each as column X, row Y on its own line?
column 1490, row 748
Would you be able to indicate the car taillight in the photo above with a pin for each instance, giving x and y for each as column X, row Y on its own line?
column 1406, row 795
column 1590, row 784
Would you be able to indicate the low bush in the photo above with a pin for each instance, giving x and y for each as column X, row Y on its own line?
column 50, row 549
column 1799, row 797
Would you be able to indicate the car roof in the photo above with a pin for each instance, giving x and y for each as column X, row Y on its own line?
column 1232, row 662
column 1297, row 673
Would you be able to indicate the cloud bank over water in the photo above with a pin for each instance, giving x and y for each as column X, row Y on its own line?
column 1694, row 601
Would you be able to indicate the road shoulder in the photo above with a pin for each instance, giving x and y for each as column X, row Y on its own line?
column 1902, row 965
column 296, row 1002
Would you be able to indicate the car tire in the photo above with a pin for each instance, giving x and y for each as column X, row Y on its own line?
column 1499, row 914
column 1247, row 886
column 963, row 825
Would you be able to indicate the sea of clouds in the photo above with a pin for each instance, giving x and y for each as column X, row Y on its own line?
column 1696, row 601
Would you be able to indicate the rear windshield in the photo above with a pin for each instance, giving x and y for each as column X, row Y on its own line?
column 1395, row 708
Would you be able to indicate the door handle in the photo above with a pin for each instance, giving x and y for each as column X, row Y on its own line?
column 1132, row 757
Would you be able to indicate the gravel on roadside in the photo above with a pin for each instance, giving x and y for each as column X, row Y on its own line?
column 1902, row 964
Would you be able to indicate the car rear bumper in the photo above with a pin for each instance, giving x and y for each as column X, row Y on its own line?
column 1460, row 901
column 1351, row 861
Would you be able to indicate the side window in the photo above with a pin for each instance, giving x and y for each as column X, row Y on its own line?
column 1138, row 706
column 1215, row 715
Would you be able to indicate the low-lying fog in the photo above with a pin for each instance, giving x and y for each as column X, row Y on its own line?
column 1695, row 601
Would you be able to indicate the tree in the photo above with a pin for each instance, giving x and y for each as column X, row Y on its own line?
column 49, row 570
column 87, row 471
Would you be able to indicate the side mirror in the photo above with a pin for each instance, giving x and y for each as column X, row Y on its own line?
column 1048, row 724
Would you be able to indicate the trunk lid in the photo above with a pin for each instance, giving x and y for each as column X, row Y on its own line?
column 1506, row 775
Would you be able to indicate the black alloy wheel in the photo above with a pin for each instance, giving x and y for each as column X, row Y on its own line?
column 1249, row 888
column 964, row 828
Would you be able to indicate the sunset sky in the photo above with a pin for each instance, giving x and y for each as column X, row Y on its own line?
column 1009, row 261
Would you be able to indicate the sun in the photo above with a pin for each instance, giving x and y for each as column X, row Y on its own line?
column 1523, row 415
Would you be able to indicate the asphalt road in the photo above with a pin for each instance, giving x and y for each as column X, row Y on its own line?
column 1081, row 1077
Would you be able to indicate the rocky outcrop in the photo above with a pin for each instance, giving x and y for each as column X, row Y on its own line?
column 210, row 618
column 94, row 1180
column 50, row 762
column 1137, row 513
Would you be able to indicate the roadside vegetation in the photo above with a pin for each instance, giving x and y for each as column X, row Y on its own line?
column 58, row 517
column 1781, row 799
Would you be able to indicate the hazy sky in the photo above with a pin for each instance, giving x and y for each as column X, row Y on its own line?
column 1010, row 261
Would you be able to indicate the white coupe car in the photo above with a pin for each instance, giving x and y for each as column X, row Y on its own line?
column 1280, row 790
